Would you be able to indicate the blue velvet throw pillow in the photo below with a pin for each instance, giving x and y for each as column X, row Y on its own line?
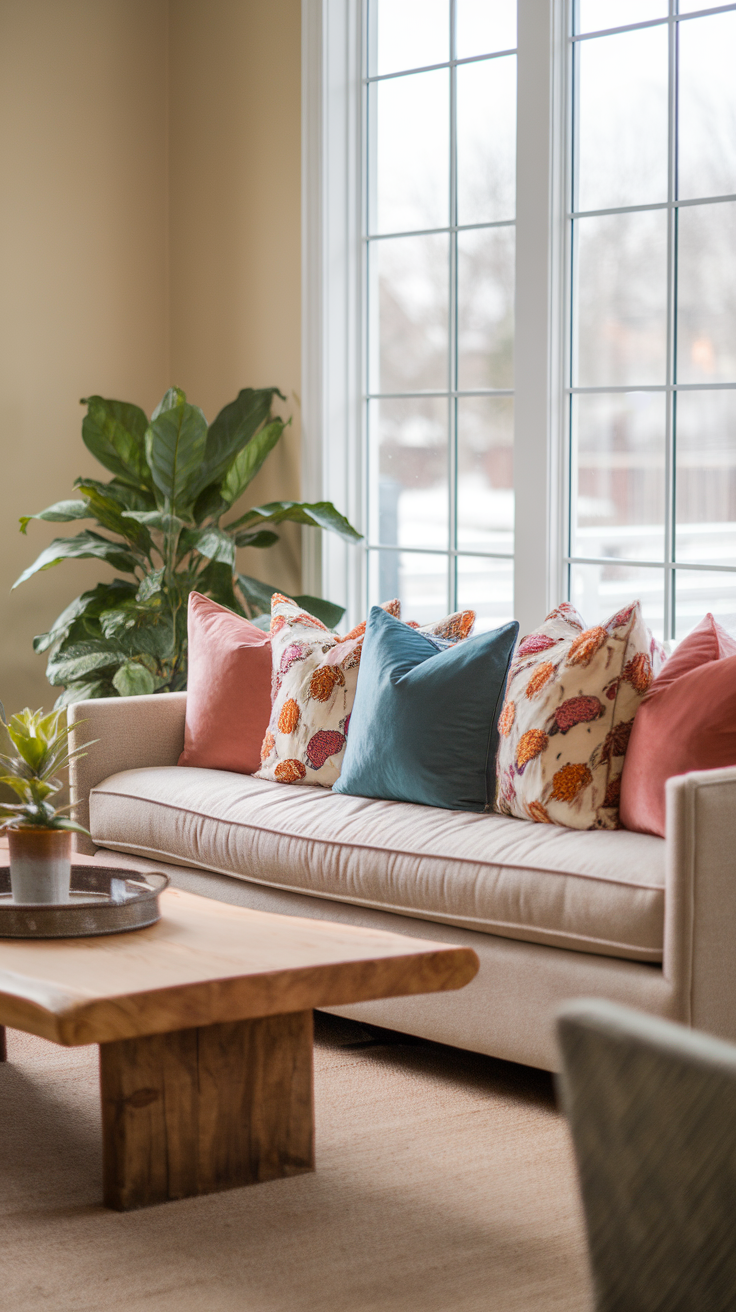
column 424, row 722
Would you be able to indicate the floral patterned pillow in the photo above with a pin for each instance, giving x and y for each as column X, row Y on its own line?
column 314, row 676
column 571, row 697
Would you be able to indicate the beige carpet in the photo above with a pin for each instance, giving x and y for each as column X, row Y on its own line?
column 444, row 1183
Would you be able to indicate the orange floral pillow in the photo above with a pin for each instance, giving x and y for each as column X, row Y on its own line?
column 571, row 697
column 313, row 682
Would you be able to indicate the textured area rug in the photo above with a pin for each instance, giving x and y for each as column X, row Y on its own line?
column 444, row 1183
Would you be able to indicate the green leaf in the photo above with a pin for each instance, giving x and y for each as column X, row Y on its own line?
column 62, row 512
column 168, row 526
column 156, row 520
column 86, row 544
column 256, row 593
column 114, row 431
column 169, row 401
column 92, row 603
column 138, row 628
column 133, row 680
column 216, row 581
column 319, row 514
column 175, row 446
column 109, row 513
column 31, row 750
column 19, row 786
column 153, row 643
column 71, row 825
column 233, row 429
column 127, row 497
column 82, row 659
column 140, row 632
column 247, row 463
column 209, row 504
column 210, row 542
column 115, row 623
column 84, row 692
column 326, row 611
column 261, row 538
column 151, row 585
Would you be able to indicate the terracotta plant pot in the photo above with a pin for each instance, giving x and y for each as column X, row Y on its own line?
column 40, row 864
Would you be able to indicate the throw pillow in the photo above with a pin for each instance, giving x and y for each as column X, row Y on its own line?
column 571, row 699
column 315, row 674
column 686, row 722
column 424, row 725
column 228, row 689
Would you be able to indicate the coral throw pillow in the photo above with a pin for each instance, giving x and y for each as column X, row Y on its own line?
column 571, row 698
column 315, row 674
column 228, row 689
column 686, row 722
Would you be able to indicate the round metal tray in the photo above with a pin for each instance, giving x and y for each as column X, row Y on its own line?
column 102, row 900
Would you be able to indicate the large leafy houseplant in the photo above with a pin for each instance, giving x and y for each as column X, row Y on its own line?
column 175, row 479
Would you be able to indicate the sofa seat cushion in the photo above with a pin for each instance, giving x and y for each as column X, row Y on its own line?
column 592, row 891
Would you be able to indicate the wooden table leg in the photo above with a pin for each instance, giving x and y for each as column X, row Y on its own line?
column 204, row 1109
column 3, row 1044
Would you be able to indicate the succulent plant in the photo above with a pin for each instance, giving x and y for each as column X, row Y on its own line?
column 42, row 746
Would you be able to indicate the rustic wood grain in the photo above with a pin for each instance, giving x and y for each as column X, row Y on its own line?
column 206, row 962
column 204, row 1109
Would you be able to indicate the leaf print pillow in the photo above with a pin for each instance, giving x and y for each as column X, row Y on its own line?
column 571, row 698
column 314, row 677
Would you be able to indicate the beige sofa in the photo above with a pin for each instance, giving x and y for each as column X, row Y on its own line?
column 552, row 913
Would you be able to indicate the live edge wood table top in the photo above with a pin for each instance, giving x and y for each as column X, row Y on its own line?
column 204, row 1022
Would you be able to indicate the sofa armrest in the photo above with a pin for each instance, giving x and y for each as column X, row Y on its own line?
column 700, row 899
column 132, row 732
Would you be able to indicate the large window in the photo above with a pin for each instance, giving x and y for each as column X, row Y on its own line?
column 652, row 361
column 439, row 210
column 536, row 195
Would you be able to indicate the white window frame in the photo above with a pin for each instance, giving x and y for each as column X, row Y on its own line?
column 333, row 444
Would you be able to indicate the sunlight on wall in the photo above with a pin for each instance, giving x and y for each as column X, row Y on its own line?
column 145, row 238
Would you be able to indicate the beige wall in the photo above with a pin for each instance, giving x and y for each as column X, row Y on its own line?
column 149, row 234
column 235, row 224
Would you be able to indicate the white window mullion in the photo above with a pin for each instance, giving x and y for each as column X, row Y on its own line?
column 335, row 295
column 669, row 461
column 331, row 291
column 539, row 447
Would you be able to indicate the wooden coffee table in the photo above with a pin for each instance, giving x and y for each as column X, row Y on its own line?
column 204, row 1023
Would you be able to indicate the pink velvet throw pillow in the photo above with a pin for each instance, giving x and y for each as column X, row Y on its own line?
column 228, row 689
column 687, row 721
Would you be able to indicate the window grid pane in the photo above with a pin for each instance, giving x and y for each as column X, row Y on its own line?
column 652, row 367
column 439, row 311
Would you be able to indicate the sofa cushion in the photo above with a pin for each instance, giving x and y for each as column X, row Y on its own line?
column 423, row 727
column 228, row 689
column 686, row 722
column 314, row 676
column 571, row 698
column 598, row 891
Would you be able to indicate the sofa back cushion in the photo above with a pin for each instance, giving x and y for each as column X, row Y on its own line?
column 228, row 690
column 687, row 721
column 570, row 703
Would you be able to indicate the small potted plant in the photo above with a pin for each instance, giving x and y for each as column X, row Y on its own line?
column 39, row 834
